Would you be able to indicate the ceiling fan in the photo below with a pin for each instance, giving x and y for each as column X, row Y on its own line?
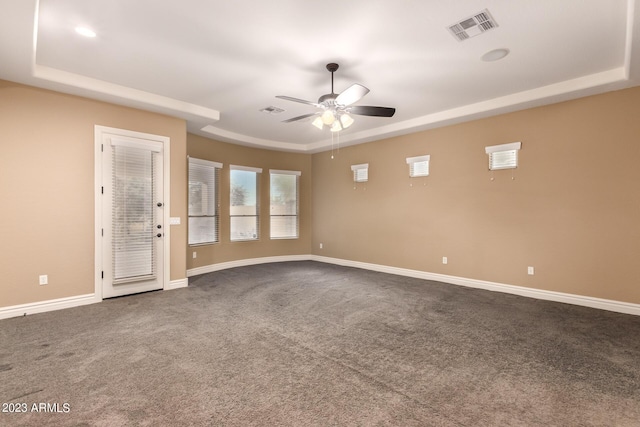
column 335, row 109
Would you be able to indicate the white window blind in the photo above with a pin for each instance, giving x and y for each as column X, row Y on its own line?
column 243, row 209
column 360, row 172
column 133, row 212
column 419, row 165
column 284, row 191
column 204, row 218
column 504, row 156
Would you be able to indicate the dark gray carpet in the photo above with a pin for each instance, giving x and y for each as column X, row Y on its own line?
column 312, row 344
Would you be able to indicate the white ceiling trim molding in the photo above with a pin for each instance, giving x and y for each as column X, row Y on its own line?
column 236, row 138
column 164, row 104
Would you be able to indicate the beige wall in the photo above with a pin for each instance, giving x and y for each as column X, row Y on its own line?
column 230, row 154
column 47, row 189
column 572, row 210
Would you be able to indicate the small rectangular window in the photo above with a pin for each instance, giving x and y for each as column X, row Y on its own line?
column 360, row 172
column 243, row 209
column 284, row 204
column 418, row 166
column 203, row 201
column 504, row 156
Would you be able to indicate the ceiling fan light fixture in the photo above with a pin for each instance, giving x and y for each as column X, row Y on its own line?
column 328, row 118
column 318, row 123
column 336, row 126
column 346, row 121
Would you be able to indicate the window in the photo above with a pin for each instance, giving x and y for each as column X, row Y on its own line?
column 243, row 208
column 360, row 172
column 504, row 156
column 418, row 166
column 284, row 204
column 203, row 201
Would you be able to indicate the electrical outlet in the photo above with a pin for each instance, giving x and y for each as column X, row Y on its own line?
column 44, row 279
column 320, row 245
column 530, row 271
column 195, row 255
column 445, row 260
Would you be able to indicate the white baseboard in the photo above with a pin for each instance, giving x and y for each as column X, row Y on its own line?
column 61, row 303
column 244, row 262
column 50, row 305
column 599, row 303
column 177, row 284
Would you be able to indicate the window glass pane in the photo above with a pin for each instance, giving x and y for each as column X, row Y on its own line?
column 361, row 175
column 244, row 228
column 203, row 230
column 284, row 206
column 503, row 160
column 419, row 168
column 284, row 194
column 243, row 192
column 203, row 203
column 243, row 207
column 283, row 227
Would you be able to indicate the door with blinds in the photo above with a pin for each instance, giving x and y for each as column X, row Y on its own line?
column 133, row 228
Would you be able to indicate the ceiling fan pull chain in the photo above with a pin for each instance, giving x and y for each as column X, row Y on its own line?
column 331, row 145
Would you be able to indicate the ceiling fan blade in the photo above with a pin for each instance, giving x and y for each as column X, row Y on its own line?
column 295, row 119
column 302, row 101
column 351, row 94
column 372, row 111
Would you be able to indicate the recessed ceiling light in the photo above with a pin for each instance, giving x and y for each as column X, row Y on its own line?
column 495, row 55
column 84, row 31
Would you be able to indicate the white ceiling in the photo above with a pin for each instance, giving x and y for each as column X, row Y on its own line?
column 218, row 63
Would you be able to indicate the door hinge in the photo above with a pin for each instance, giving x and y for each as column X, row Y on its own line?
column 102, row 232
column 101, row 190
column 102, row 275
column 102, row 147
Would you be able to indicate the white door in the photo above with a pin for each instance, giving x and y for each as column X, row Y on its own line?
column 133, row 229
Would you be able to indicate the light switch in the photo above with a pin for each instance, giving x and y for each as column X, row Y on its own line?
column 174, row 220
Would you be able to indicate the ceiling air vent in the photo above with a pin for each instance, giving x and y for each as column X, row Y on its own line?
column 272, row 110
column 473, row 25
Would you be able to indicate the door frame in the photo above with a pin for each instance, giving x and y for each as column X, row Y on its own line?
column 99, row 133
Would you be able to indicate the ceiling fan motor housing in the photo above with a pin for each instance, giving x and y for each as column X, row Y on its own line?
column 328, row 99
